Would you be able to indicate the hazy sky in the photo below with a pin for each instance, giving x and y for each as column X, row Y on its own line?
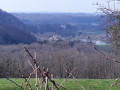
column 48, row 5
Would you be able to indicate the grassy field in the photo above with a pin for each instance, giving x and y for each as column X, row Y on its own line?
column 70, row 84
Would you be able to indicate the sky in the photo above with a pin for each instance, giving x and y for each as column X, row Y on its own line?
column 85, row 6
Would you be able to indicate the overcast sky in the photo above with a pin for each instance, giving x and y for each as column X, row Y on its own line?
column 48, row 5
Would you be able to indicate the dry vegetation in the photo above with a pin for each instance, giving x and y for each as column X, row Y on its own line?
column 55, row 55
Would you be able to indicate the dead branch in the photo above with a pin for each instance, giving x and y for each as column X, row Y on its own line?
column 51, row 87
column 115, row 83
column 30, row 64
column 108, row 58
column 15, row 83
column 34, row 60
column 46, row 84
column 74, row 79
column 24, row 79
column 30, row 77
column 46, row 74
column 67, row 77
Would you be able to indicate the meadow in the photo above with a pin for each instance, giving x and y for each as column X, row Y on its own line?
column 70, row 84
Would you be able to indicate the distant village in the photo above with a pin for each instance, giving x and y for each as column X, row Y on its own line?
column 59, row 38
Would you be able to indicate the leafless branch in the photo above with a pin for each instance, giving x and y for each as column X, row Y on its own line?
column 67, row 77
column 74, row 79
column 30, row 76
column 108, row 58
column 115, row 83
column 15, row 83
column 30, row 64
column 34, row 60
column 45, row 73
column 24, row 79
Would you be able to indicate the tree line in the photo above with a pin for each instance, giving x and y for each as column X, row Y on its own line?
column 56, row 56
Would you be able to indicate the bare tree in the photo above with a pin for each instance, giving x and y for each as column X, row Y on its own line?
column 111, row 16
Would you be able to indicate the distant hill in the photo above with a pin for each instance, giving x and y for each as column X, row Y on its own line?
column 12, row 30
column 64, row 24
column 9, row 19
column 56, row 18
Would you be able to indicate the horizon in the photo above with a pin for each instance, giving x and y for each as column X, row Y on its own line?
column 56, row 12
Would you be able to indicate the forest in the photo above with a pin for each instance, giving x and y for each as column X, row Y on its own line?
column 57, row 55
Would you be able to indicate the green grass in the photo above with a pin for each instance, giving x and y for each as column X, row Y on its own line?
column 107, row 48
column 70, row 84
